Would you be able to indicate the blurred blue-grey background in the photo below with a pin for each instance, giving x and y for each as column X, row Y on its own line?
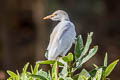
column 24, row 35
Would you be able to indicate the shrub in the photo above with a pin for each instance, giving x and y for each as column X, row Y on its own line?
column 69, row 65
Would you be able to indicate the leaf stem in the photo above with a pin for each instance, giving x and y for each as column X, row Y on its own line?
column 69, row 70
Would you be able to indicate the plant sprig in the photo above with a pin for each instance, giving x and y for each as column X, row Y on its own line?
column 69, row 65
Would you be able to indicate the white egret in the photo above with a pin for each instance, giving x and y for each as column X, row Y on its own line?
column 62, row 36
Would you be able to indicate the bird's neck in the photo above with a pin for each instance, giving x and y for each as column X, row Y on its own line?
column 65, row 19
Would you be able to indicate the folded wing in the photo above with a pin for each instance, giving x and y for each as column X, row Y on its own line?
column 62, row 41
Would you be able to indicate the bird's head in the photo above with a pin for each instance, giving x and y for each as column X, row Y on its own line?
column 58, row 16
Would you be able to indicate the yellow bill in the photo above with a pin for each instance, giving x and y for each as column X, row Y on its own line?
column 49, row 17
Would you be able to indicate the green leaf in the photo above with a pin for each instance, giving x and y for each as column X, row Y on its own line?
column 75, row 77
column 68, row 58
column 54, row 71
column 84, row 73
column 38, row 77
column 79, row 47
column 93, row 72
column 105, row 60
column 95, row 66
column 61, row 78
column 87, row 45
column 43, row 73
column 93, row 78
column 49, row 76
column 13, row 76
column 84, row 52
column 25, row 67
column 31, row 69
column 11, row 73
column 90, row 54
column 36, row 69
column 18, row 75
column 99, row 74
column 110, row 68
column 64, row 72
column 50, row 62
column 84, row 78
column 68, row 78
column 24, row 71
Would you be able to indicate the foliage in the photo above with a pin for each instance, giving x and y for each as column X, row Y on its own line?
column 69, row 64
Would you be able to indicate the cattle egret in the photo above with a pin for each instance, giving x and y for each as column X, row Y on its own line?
column 62, row 36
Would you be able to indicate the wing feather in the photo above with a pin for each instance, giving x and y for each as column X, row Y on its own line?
column 52, row 37
column 62, row 41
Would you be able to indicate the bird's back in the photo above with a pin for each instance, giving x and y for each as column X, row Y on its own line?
column 61, row 39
